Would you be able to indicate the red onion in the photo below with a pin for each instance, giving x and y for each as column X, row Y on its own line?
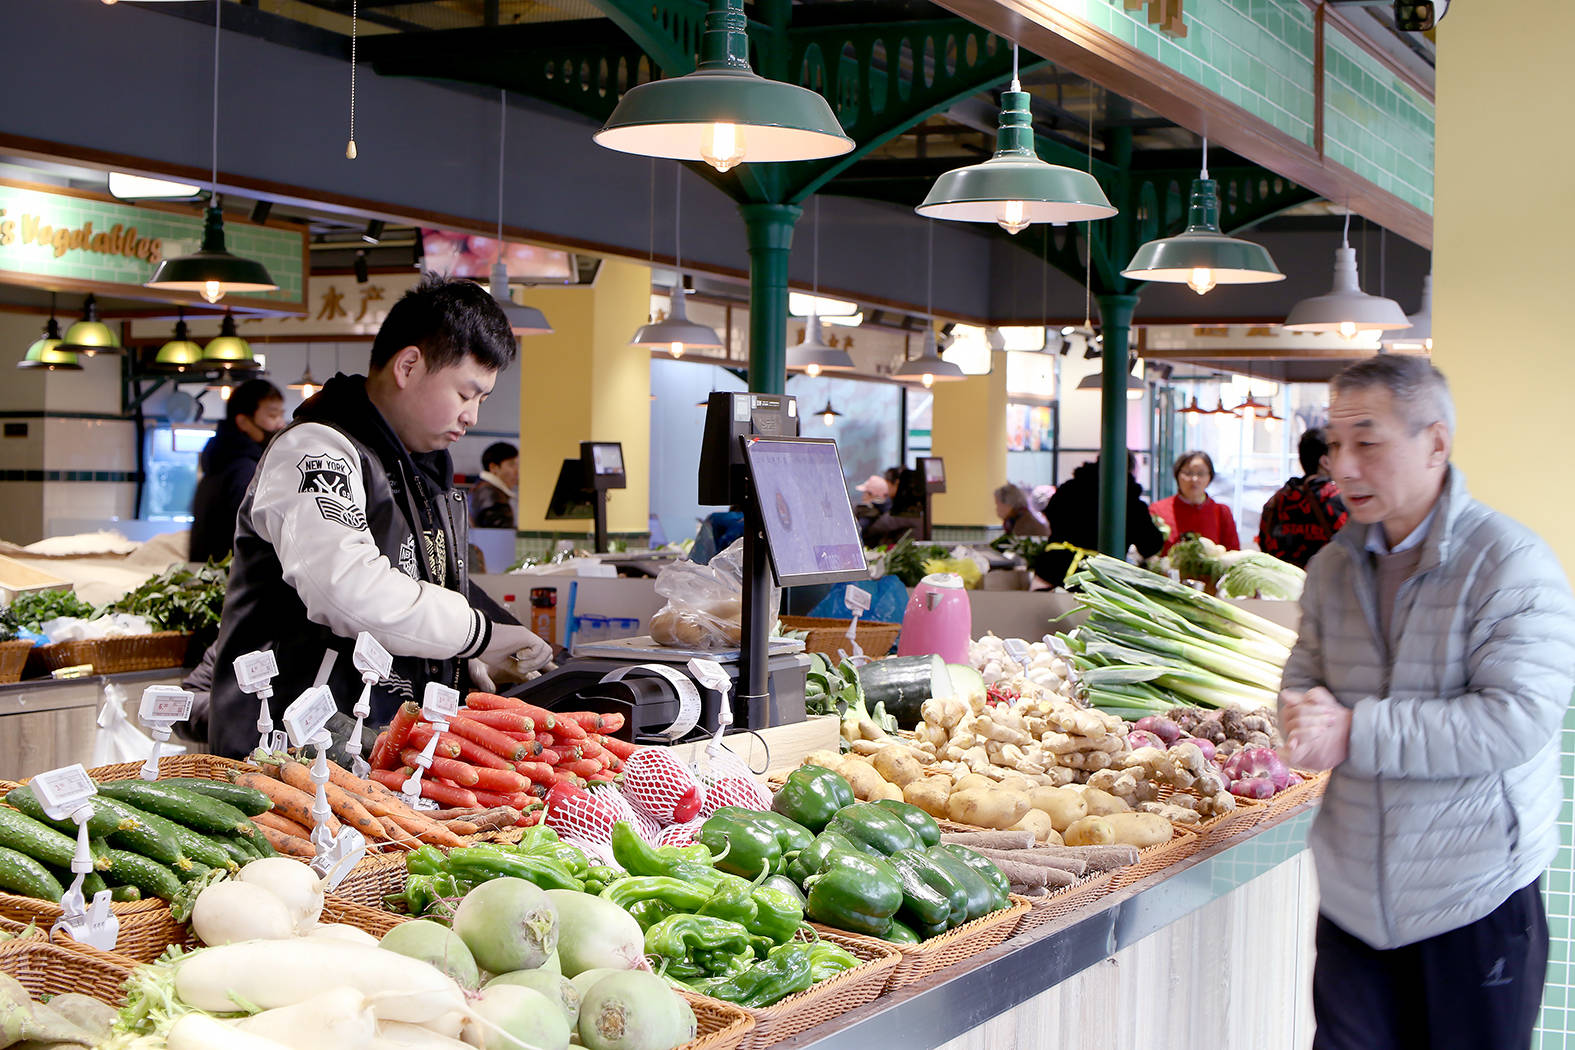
column 1143, row 738
column 1257, row 763
column 1204, row 745
column 1160, row 726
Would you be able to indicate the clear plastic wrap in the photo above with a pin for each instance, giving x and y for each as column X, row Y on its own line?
column 704, row 607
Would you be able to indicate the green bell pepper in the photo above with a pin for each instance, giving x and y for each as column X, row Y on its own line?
column 778, row 914
column 677, row 894
column 425, row 860
column 732, row 899
column 639, row 857
column 986, row 869
column 812, row 796
column 791, row 835
column 742, row 847
column 480, row 863
column 434, row 897
column 784, row 884
column 854, row 892
column 981, row 894
column 787, row 970
column 901, row 933
column 920, row 901
column 536, row 836
column 808, row 862
column 681, row 940
column 826, row 960
column 938, row 880
column 651, row 911
column 922, row 823
column 875, row 828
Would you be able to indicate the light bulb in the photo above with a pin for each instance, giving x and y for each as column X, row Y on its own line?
column 212, row 291
column 1011, row 218
column 928, row 380
column 1428, row 343
column 722, row 145
column 307, row 391
column 1347, row 329
column 676, row 349
column 828, row 417
column 812, row 370
column 1135, row 394
column 224, row 392
column 1202, row 279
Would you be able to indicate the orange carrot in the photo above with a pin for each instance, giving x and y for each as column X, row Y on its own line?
column 344, row 805
column 284, row 824
column 288, row 802
column 287, row 844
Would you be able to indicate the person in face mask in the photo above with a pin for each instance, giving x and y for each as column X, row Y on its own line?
column 254, row 413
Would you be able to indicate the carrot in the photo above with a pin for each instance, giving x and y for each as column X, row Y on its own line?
column 501, row 781
column 282, row 824
column 489, row 738
column 492, row 798
column 344, row 804
column 379, row 750
column 405, row 718
column 540, row 772
column 288, row 802
column 475, row 754
column 614, row 763
column 464, row 827
column 421, row 732
column 547, row 739
column 583, row 767
column 621, row 748
column 287, row 844
column 432, row 832
column 591, row 747
column 442, row 793
column 604, row 777
column 612, row 722
column 551, row 757
column 493, row 702
column 591, row 720
column 461, row 774
column 543, row 718
column 569, row 729
column 513, row 721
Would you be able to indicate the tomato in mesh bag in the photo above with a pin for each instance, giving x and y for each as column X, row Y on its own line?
column 587, row 815
column 661, row 785
column 680, row 834
column 732, row 791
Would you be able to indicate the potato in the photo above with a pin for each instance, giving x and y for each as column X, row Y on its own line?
column 1038, row 822
column 974, row 781
column 890, row 791
column 1064, row 806
column 1018, row 783
column 1090, row 831
column 1103, row 803
column 861, row 776
column 987, row 808
column 825, row 760
column 898, row 766
column 1139, row 829
column 930, row 795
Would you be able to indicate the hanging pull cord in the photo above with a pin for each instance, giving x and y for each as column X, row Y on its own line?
column 355, row 21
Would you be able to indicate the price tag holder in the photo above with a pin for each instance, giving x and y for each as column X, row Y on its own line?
column 439, row 703
column 374, row 662
column 278, row 741
column 858, row 600
column 711, row 676
column 1018, row 650
column 306, row 716
column 63, row 791
column 162, row 706
column 95, row 925
column 370, row 658
column 1056, row 645
column 255, row 671
column 342, row 854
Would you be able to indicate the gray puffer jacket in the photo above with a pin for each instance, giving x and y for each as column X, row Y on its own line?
column 1447, row 801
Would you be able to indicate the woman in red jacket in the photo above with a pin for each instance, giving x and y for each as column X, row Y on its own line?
column 1191, row 509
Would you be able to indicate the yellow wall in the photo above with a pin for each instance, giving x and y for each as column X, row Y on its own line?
column 1504, row 200
column 586, row 383
column 969, row 432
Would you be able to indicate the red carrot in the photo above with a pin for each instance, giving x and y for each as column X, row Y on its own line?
column 489, row 738
column 492, row 798
column 582, row 767
column 549, row 756
column 547, row 739
column 569, row 729
column 501, row 781
column 591, row 720
column 512, row 721
column 614, row 763
column 493, row 702
column 621, row 748
column 405, row 718
column 543, row 718
column 421, row 732
column 604, row 777
column 443, row 793
column 540, row 772
column 465, row 750
column 379, row 755
column 460, row 773
column 612, row 722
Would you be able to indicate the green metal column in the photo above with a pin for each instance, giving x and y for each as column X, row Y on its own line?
column 1115, row 315
column 770, row 228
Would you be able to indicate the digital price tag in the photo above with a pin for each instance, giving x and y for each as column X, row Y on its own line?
column 63, row 791
column 254, row 671
column 709, row 673
column 439, row 703
column 306, row 716
column 1018, row 650
column 1056, row 645
column 342, row 854
column 164, row 705
column 858, row 600
column 370, row 658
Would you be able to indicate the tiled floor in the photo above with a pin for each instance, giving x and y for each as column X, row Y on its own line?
column 1554, row 1032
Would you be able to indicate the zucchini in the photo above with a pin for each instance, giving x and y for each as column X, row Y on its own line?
column 183, row 806
column 149, row 876
column 99, row 825
column 38, row 840
column 903, row 683
column 20, row 873
column 249, row 801
column 125, row 894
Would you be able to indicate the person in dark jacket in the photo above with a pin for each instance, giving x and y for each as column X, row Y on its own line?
column 352, row 525
column 1305, row 513
column 228, row 460
column 492, row 496
column 1073, row 513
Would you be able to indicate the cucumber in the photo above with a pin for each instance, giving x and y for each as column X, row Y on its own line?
column 144, row 833
column 187, row 844
column 37, row 839
column 92, row 882
column 151, row 877
column 198, row 812
column 235, row 855
column 21, row 874
column 262, row 847
column 903, row 683
column 99, row 825
column 125, row 894
column 244, row 844
column 196, row 871
column 249, row 801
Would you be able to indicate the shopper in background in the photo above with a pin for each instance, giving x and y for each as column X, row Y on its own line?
column 492, row 496
column 1432, row 674
column 1306, row 512
column 1017, row 517
column 1191, row 510
column 352, row 525
column 1073, row 513
column 874, row 500
column 255, row 413
column 905, row 513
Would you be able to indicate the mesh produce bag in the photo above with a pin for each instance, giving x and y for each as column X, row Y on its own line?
column 658, row 783
column 680, row 834
column 587, row 816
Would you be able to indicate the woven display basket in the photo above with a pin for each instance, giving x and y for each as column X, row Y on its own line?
column 917, row 961
column 1058, row 903
column 53, row 969
column 1183, row 844
column 848, row 990
column 202, row 767
column 375, row 921
column 377, row 876
column 718, row 1025
column 827, row 636
column 1311, row 789
column 1244, row 817
column 142, row 652
column 146, row 927
column 13, row 659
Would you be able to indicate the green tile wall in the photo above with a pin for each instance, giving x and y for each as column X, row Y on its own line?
column 1558, row 1001
column 1375, row 123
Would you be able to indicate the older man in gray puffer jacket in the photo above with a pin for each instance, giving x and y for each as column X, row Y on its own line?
column 1435, row 662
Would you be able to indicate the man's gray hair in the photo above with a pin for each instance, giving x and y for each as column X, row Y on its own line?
column 1011, row 496
column 1419, row 389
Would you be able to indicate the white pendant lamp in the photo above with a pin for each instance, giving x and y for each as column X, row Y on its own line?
column 1420, row 335
column 523, row 320
column 677, row 334
column 929, row 367
column 812, row 355
column 1346, row 310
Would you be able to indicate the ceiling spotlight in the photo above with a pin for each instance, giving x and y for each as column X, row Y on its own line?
column 261, row 210
column 361, row 273
column 374, row 231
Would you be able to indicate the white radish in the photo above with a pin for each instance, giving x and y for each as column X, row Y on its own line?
column 226, row 912
column 415, row 1037
column 295, row 884
column 332, row 1020
column 200, row 1032
column 338, row 931
column 271, row 974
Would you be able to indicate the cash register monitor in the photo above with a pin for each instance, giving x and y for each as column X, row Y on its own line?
column 604, row 463
column 803, row 500
column 934, row 470
column 571, row 498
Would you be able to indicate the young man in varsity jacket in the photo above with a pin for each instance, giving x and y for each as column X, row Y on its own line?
column 352, row 524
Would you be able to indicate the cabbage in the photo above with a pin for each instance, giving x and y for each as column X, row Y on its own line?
column 1256, row 575
column 1197, row 558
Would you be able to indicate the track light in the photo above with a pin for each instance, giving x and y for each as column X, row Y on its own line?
column 374, row 231
column 361, row 274
column 261, row 210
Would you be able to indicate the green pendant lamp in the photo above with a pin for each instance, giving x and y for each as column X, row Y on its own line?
column 676, row 333
column 179, row 354
column 724, row 113
column 1346, row 310
column 46, row 354
column 929, row 367
column 828, row 415
column 90, row 336
column 228, row 350
column 811, row 355
column 212, row 271
column 1015, row 188
column 1203, row 256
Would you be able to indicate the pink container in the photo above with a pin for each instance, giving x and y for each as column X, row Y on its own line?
column 938, row 620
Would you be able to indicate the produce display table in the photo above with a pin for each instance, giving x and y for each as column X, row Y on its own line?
column 46, row 722
column 1219, row 943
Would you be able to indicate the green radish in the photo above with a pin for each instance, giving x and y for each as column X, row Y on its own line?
column 435, row 944
column 595, row 932
column 510, row 1017
column 554, row 986
column 584, row 982
column 509, row 924
column 632, row 1010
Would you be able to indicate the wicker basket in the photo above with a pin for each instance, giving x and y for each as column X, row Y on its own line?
column 1183, row 844
column 53, row 969
column 201, row 767
column 13, row 658
column 848, row 990
column 146, row 927
column 1057, row 903
column 375, row 921
column 377, row 876
column 142, row 652
column 1244, row 817
column 826, row 636
column 918, row 961
column 718, row 1025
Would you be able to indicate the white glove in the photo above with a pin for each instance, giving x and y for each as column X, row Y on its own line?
column 480, row 677
column 514, row 644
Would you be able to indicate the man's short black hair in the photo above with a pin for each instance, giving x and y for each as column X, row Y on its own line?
column 498, row 452
column 248, row 397
column 1313, row 446
column 447, row 319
